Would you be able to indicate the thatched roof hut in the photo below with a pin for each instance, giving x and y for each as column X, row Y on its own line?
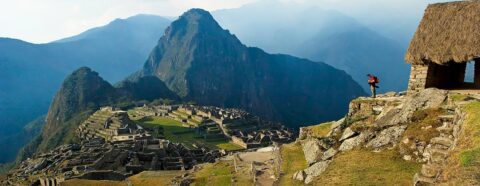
column 448, row 32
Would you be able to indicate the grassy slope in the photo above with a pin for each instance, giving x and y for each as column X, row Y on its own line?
column 363, row 167
column 464, row 162
column 178, row 132
column 292, row 160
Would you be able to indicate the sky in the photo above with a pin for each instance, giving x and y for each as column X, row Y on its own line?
column 42, row 21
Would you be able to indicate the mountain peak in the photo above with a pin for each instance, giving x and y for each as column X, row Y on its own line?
column 197, row 14
column 196, row 21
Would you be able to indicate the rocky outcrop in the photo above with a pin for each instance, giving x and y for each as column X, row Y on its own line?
column 389, row 136
column 381, row 123
column 351, row 143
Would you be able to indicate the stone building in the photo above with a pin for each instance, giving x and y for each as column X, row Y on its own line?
column 446, row 40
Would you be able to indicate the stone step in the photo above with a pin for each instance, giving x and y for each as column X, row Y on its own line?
column 430, row 170
column 447, row 142
column 420, row 179
column 439, row 151
column 438, row 156
column 445, row 129
column 446, row 118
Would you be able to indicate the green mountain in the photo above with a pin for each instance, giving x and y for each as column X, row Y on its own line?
column 204, row 63
column 82, row 93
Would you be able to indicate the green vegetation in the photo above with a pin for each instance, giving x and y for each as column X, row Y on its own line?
column 363, row 167
column 458, row 97
column 220, row 174
column 176, row 131
column 470, row 158
column 292, row 161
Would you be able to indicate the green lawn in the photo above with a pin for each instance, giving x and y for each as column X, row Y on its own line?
column 178, row 132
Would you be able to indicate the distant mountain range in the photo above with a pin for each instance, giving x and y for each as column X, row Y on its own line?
column 321, row 35
column 196, row 60
column 31, row 73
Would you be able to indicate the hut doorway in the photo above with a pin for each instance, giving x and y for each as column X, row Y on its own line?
column 454, row 75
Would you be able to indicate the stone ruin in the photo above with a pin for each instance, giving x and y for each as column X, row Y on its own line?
column 243, row 128
column 111, row 125
column 99, row 160
column 113, row 147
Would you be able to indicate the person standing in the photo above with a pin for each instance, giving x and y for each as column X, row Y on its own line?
column 372, row 81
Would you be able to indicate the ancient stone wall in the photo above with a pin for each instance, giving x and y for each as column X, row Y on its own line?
column 418, row 78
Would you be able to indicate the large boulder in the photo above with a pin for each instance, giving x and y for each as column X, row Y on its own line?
column 315, row 170
column 428, row 98
column 355, row 141
column 347, row 133
column 389, row 136
column 329, row 154
column 312, row 150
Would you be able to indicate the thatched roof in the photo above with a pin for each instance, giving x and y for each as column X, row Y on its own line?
column 448, row 32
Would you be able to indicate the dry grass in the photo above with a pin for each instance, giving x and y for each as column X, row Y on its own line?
column 447, row 32
column 144, row 178
column 423, row 119
column 292, row 161
column 221, row 174
column 320, row 130
column 154, row 178
column 464, row 162
column 77, row 182
column 363, row 167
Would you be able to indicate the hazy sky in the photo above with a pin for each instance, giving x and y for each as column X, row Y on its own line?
column 41, row 21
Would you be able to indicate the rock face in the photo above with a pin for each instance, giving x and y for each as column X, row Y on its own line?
column 315, row 170
column 389, row 136
column 329, row 154
column 299, row 175
column 312, row 150
column 202, row 62
column 351, row 143
column 347, row 133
